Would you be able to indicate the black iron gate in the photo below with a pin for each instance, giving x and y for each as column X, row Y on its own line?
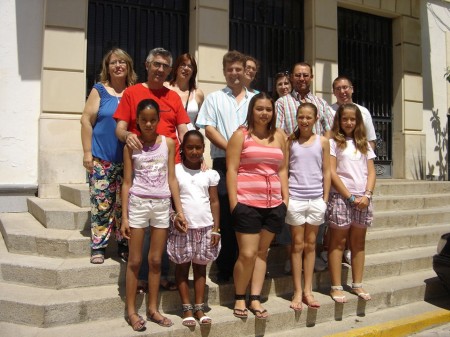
column 269, row 30
column 135, row 26
column 365, row 56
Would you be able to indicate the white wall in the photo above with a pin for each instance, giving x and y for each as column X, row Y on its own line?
column 435, row 20
column 21, row 39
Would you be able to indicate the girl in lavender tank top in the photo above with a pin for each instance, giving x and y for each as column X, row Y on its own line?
column 309, row 186
column 149, row 181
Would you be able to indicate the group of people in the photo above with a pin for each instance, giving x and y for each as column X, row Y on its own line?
column 288, row 161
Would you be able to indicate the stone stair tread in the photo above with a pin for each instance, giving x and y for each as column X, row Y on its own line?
column 398, row 232
column 400, row 255
column 77, row 194
column 388, row 292
column 57, row 204
column 29, row 226
column 410, row 196
column 437, row 210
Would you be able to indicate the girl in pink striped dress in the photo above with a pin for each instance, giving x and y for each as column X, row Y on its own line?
column 257, row 185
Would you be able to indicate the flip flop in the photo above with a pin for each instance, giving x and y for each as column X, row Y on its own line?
column 164, row 321
column 240, row 313
column 314, row 304
column 338, row 298
column 296, row 305
column 361, row 294
column 138, row 325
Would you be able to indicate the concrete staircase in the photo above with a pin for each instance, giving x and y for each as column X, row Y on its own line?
column 49, row 288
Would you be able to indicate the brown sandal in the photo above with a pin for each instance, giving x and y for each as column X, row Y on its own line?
column 138, row 325
column 164, row 321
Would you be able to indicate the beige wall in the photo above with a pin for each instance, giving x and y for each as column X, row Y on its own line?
column 63, row 95
column 64, row 59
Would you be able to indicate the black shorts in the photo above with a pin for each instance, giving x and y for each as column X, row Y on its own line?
column 250, row 220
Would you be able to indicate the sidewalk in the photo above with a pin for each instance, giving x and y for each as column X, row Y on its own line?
column 409, row 320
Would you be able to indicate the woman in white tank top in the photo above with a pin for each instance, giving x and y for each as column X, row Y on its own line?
column 183, row 83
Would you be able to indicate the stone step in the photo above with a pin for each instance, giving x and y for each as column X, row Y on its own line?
column 410, row 218
column 404, row 238
column 59, row 214
column 410, row 187
column 409, row 202
column 77, row 194
column 25, row 235
column 77, row 311
column 62, row 273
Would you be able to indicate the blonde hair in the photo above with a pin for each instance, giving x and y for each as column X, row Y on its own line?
column 359, row 133
column 123, row 55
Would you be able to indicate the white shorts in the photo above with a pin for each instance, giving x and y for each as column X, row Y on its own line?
column 143, row 210
column 306, row 211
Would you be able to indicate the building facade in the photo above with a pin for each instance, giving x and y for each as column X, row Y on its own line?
column 44, row 53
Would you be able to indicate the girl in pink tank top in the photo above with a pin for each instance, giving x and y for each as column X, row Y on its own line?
column 258, row 193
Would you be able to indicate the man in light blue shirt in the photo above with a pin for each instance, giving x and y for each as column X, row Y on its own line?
column 222, row 112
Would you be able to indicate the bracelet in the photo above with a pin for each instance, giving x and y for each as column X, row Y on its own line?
column 216, row 233
column 368, row 196
column 351, row 199
column 369, row 191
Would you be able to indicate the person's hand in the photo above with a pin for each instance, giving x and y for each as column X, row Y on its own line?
column 180, row 223
column 361, row 202
column 133, row 141
column 88, row 161
column 215, row 237
column 203, row 166
column 125, row 229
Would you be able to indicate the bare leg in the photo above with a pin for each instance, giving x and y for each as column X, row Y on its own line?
column 298, row 243
column 199, row 285
column 243, row 269
column 259, row 271
column 181, row 276
column 357, row 245
column 133, row 265
column 158, row 240
column 335, row 251
column 309, row 257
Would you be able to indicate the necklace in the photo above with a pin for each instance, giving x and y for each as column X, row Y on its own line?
column 115, row 93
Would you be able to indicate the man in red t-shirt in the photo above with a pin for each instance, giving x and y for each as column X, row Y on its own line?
column 173, row 116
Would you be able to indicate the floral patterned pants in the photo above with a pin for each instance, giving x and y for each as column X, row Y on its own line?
column 105, row 181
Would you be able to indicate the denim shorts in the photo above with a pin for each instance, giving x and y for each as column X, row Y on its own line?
column 250, row 220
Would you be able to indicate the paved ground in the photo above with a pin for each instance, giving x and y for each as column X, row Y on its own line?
column 409, row 320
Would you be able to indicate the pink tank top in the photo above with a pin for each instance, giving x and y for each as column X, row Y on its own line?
column 150, row 172
column 258, row 183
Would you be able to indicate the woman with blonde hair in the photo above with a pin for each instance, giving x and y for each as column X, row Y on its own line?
column 103, row 152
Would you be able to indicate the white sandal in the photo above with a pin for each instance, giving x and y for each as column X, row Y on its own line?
column 338, row 299
column 204, row 320
column 363, row 295
column 188, row 321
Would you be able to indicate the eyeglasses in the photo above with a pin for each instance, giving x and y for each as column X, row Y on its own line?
column 344, row 88
column 119, row 62
column 299, row 75
column 157, row 65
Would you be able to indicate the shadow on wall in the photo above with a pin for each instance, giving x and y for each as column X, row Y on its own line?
column 437, row 171
column 29, row 23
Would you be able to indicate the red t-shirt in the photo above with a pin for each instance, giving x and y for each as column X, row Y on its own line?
column 171, row 111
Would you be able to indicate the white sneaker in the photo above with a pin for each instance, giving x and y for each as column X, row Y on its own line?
column 348, row 256
column 287, row 267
